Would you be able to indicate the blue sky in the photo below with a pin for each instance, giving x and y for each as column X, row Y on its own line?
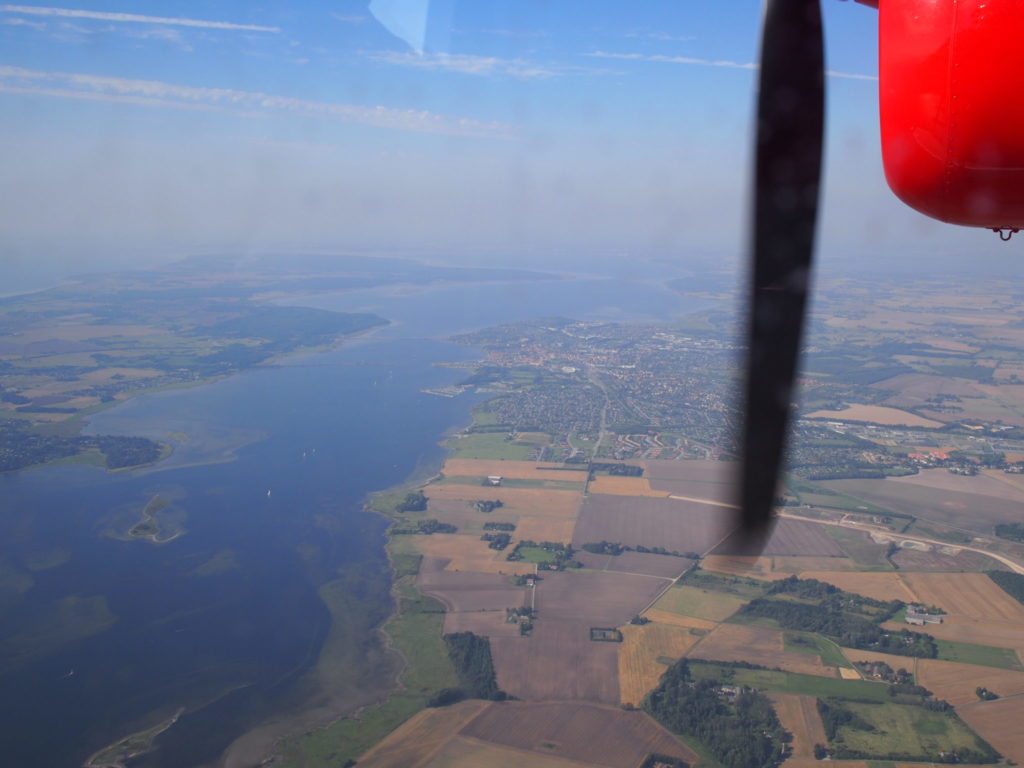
column 552, row 129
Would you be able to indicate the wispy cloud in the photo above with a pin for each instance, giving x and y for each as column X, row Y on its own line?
column 663, row 37
column 720, row 63
column 156, row 93
column 349, row 18
column 132, row 18
column 469, row 64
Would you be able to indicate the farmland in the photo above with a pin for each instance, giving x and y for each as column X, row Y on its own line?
column 642, row 654
column 877, row 414
column 908, row 731
column 998, row 722
column 799, row 716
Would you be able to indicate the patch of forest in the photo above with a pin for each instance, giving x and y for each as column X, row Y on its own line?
column 850, row 620
column 737, row 725
column 471, row 656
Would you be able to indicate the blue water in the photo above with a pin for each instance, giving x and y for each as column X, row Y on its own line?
column 319, row 432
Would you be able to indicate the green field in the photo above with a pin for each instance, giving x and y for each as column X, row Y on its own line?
column 488, row 445
column 813, row 643
column 904, row 730
column 699, row 603
column 737, row 586
column 792, row 682
column 985, row 655
column 536, row 555
column 861, row 549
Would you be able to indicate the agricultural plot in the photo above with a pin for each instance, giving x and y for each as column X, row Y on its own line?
column 595, row 735
column 956, row 683
column 979, row 612
column 867, row 554
column 877, row 414
column 799, row 715
column 558, row 660
column 666, row 566
column 796, row 538
column 999, row 723
column 696, row 627
column 465, row 552
column 971, row 511
column 675, row 525
column 757, row 645
column 540, row 514
column 489, row 446
column 615, row 485
column 903, row 729
column 773, row 567
column 935, row 560
column 644, row 654
column 519, row 470
column 774, row 681
column 699, row 603
column 878, row 586
column 416, row 741
column 695, row 479
column 463, row 752
column 461, row 591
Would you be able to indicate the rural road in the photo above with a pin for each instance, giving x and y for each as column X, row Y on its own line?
column 889, row 535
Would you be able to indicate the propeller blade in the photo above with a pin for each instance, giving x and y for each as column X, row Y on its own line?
column 790, row 127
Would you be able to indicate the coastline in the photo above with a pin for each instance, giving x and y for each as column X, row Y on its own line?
column 79, row 423
column 353, row 732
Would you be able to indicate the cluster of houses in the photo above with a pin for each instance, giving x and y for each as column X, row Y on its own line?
column 919, row 615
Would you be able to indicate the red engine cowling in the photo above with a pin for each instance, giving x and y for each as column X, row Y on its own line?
column 951, row 91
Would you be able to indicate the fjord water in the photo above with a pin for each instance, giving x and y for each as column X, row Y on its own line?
column 225, row 620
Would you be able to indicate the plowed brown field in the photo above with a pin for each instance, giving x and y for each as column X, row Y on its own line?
column 598, row 735
column 999, row 723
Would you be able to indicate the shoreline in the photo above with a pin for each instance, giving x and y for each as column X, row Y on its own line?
column 80, row 422
column 418, row 478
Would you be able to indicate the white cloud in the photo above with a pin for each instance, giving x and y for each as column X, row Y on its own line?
column 349, row 18
column 132, row 18
column 469, row 64
column 720, row 63
column 16, row 22
column 156, row 93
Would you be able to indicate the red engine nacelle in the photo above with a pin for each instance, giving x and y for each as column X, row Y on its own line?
column 951, row 91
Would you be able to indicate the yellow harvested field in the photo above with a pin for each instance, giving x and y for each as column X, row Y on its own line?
column 979, row 611
column 540, row 514
column 758, row 645
column 624, row 486
column 849, row 674
column 677, row 620
column 854, row 655
column 740, row 565
column 799, row 715
column 642, row 646
column 467, row 553
column 532, row 501
column 464, row 752
column 519, row 470
column 420, row 737
column 957, row 682
column 885, row 585
column 877, row 414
